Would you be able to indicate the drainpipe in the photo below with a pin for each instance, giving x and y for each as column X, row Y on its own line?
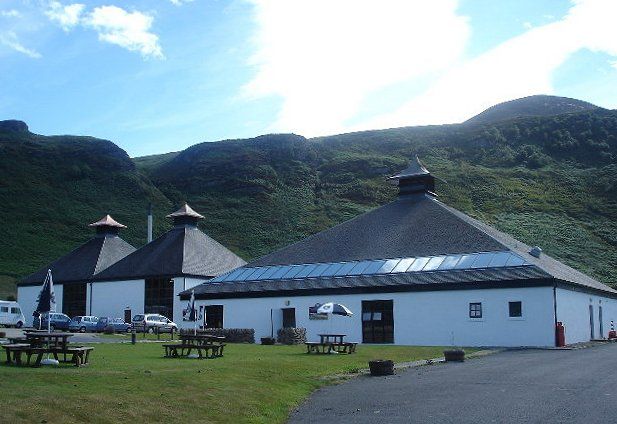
column 149, row 222
column 555, row 311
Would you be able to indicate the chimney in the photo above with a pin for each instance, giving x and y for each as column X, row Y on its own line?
column 149, row 222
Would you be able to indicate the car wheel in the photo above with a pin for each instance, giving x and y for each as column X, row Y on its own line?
column 129, row 329
column 82, row 329
column 151, row 330
column 19, row 324
column 52, row 327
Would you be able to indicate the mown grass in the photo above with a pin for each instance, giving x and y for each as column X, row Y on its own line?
column 134, row 383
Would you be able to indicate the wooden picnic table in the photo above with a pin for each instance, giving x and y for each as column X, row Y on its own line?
column 200, row 339
column 331, row 343
column 55, row 339
column 331, row 338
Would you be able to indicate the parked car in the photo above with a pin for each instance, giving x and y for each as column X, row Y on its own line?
column 117, row 325
column 10, row 314
column 57, row 321
column 148, row 322
column 83, row 323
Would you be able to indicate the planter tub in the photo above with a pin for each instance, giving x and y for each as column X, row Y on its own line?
column 457, row 355
column 267, row 340
column 381, row 367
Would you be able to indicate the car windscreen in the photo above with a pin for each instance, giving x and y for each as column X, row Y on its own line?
column 138, row 318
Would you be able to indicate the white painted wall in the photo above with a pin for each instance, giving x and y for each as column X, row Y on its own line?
column 113, row 297
column 573, row 312
column 27, row 296
column 420, row 318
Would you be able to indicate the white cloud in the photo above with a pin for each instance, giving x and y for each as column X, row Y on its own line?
column 10, row 13
column 519, row 67
column 66, row 16
column 10, row 40
column 130, row 30
column 114, row 25
column 324, row 57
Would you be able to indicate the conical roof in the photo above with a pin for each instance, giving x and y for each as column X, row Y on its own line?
column 107, row 221
column 83, row 263
column 415, row 169
column 185, row 211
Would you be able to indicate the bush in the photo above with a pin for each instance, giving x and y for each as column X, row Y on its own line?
column 292, row 336
column 232, row 335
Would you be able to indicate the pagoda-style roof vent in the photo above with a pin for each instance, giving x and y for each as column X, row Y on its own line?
column 415, row 179
column 107, row 225
column 185, row 215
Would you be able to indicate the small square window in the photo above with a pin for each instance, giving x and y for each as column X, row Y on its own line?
column 516, row 309
column 475, row 310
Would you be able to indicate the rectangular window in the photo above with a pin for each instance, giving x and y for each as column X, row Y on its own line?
column 516, row 309
column 4, row 309
column 15, row 311
column 159, row 297
column 214, row 316
column 475, row 310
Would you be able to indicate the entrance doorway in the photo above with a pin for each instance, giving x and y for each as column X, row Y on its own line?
column 377, row 321
column 289, row 317
column 601, row 323
column 127, row 316
column 591, row 323
column 74, row 299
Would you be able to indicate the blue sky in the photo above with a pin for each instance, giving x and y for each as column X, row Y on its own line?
column 160, row 75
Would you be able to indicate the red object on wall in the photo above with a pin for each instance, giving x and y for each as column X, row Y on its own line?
column 560, row 335
column 612, row 334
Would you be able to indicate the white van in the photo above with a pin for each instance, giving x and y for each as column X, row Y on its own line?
column 11, row 314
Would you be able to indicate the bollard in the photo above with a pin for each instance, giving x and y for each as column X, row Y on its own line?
column 133, row 336
column 157, row 329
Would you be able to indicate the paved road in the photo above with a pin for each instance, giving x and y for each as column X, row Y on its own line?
column 530, row 386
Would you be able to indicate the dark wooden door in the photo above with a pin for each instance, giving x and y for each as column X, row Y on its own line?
column 127, row 316
column 289, row 317
column 377, row 321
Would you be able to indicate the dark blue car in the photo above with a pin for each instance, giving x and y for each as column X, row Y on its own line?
column 117, row 325
column 58, row 321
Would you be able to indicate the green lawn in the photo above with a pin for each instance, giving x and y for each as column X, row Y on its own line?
column 124, row 382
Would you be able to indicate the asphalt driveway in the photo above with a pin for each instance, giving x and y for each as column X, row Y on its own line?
column 530, row 386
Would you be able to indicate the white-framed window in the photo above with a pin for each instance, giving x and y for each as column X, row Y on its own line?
column 475, row 310
column 515, row 309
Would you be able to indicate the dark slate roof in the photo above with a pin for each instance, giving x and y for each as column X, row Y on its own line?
column 413, row 225
column 182, row 251
column 83, row 263
column 410, row 226
column 527, row 275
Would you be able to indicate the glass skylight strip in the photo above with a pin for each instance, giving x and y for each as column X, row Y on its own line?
column 375, row 266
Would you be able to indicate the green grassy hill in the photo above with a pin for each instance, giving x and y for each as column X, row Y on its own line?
column 52, row 187
column 547, row 180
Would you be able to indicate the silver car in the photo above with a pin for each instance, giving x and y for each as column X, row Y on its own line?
column 148, row 322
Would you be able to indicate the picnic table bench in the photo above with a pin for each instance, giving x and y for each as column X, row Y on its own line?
column 207, row 346
column 331, row 343
column 14, row 354
column 209, row 351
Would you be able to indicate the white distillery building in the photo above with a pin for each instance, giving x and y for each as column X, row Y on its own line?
column 414, row 272
column 148, row 279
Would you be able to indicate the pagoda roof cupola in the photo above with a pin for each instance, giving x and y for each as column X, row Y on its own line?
column 415, row 179
column 185, row 216
column 107, row 226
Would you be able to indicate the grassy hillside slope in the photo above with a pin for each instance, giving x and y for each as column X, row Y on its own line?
column 549, row 181
column 52, row 187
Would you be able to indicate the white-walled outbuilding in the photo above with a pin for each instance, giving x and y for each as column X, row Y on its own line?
column 147, row 280
column 414, row 272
